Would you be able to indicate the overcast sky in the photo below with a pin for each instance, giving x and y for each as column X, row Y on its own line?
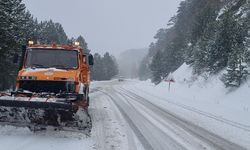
column 108, row 25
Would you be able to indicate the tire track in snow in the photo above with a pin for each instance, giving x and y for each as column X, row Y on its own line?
column 172, row 132
column 157, row 137
column 203, row 113
column 137, row 132
column 108, row 130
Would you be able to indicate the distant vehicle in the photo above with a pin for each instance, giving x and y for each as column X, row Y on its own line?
column 121, row 78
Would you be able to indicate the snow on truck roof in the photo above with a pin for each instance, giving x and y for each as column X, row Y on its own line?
column 58, row 47
column 66, row 47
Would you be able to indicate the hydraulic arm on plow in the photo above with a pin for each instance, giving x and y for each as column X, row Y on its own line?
column 52, row 88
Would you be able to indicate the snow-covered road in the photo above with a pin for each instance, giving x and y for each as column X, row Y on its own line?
column 153, row 126
column 126, row 117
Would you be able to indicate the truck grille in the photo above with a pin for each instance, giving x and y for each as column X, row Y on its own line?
column 48, row 86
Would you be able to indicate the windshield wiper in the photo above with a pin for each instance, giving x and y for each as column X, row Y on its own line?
column 38, row 66
column 59, row 66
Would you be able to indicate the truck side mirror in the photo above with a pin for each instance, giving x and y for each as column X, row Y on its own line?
column 15, row 58
column 24, row 47
column 91, row 60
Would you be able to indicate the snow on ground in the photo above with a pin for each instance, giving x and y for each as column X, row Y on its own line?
column 203, row 101
column 13, row 138
column 106, row 128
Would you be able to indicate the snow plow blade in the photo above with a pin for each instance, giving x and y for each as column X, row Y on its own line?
column 31, row 104
column 58, row 113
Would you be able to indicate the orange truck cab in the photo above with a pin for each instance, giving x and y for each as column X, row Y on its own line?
column 55, row 70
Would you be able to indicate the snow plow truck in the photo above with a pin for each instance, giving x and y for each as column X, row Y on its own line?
column 52, row 89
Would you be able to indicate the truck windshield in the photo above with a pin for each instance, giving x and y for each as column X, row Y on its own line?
column 49, row 58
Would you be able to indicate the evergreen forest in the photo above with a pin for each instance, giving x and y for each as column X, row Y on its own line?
column 209, row 35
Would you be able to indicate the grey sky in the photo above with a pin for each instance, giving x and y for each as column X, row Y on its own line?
column 108, row 25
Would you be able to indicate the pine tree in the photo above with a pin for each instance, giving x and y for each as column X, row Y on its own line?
column 98, row 69
column 237, row 70
column 83, row 44
column 156, row 67
column 202, row 50
column 105, row 67
column 50, row 32
column 247, row 27
column 110, row 66
column 11, row 12
column 224, row 42
column 29, row 29
column 203, row 32
column 61, row 35
column 144, row 72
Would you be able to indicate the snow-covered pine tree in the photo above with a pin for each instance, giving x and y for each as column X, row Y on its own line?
column 172, row 57
column 202, row 49
column 156, row 67
column 237, row 70
column 246, row 12
column 202, row 38
column 144, row 71
column 224, row 42
column 11, row 12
